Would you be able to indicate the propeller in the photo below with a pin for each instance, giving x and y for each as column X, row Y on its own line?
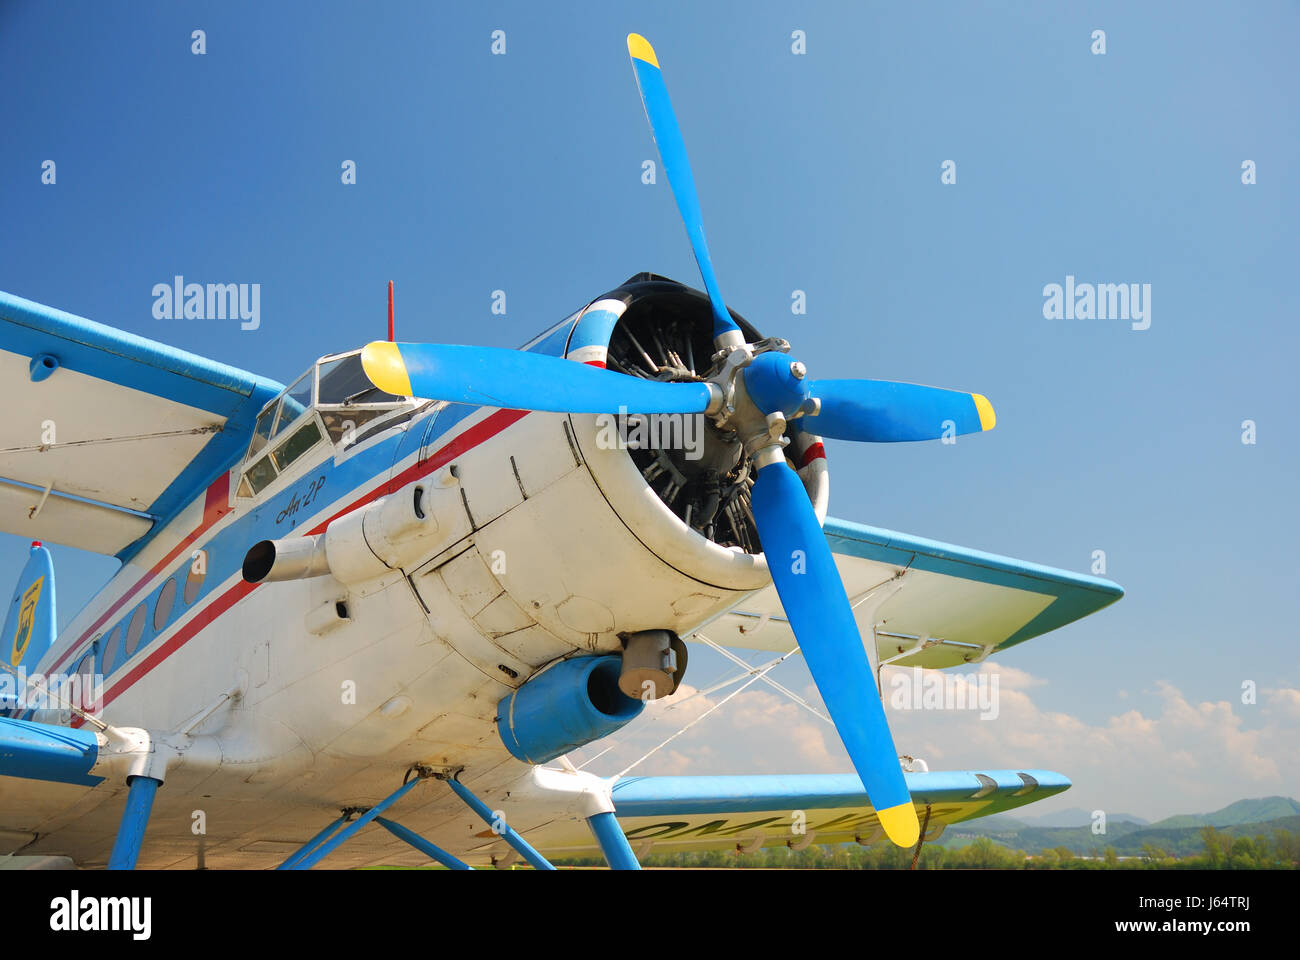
column 811, row 592
column 883, row 411
column 677, row 168
column 519, row 380
column 758, row 391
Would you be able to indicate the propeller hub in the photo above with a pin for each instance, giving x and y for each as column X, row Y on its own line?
column 762, row 389
column 777, row 384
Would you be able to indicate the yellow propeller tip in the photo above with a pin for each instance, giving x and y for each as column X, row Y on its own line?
column 639, row 47
column 900, row 823
column 988, row 419
column 383, row 364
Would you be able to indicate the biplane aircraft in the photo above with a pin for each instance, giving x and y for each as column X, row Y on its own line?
column 366, row 616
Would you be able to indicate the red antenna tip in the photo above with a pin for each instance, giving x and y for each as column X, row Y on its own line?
column 390, row 311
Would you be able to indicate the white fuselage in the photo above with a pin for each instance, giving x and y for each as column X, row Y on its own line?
column 286, row 701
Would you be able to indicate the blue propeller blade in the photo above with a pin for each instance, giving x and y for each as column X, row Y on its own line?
column 517, row 380
column 882, row 411
column 677, row 168
column 813, row 596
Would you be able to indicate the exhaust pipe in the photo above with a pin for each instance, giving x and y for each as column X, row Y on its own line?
column 392, row 533
column 294, row 558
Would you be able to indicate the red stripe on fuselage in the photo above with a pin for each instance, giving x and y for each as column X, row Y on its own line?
column 466, row 441
column 216, row 504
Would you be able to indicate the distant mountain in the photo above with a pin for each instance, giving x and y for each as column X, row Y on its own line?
column 998, row 823
column 1234, row 814
column 1179, row 836
column 1077, row 817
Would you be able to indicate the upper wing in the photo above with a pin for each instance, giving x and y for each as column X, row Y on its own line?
column 108, row 434
column 928, row 604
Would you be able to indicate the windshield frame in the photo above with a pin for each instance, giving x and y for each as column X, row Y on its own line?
column 259, row 469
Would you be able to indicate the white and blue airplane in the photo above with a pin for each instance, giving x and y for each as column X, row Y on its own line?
column 368, row 615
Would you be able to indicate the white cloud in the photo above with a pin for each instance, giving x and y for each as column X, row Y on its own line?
column 1165, row 755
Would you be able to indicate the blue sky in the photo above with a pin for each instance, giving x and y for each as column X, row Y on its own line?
column 818, row 172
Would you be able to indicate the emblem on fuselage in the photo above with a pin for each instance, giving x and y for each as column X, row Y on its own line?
column 26, row 620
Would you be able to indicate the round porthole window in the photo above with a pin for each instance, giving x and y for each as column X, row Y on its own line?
column 193, row 581
column 162, row 608
column 112, row 650
column 135, row 630
column 86, row 675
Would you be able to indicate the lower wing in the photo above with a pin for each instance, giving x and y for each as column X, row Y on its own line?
column 746, row 813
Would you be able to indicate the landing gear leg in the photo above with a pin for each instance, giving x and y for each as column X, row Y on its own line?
column 135, row 820
column 424, row 846
column 613, row 842
column 328, row 846
column 522, row 846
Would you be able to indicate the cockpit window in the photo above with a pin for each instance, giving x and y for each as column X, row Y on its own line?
column 344, row 425
column 260, row 474
column 262, row 432
column 297, row 399
column 344, row 381
column 303, row 440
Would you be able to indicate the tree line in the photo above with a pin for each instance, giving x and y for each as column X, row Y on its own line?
column 1279, row 850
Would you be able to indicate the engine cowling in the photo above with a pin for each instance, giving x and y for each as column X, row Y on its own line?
column 683, row 488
